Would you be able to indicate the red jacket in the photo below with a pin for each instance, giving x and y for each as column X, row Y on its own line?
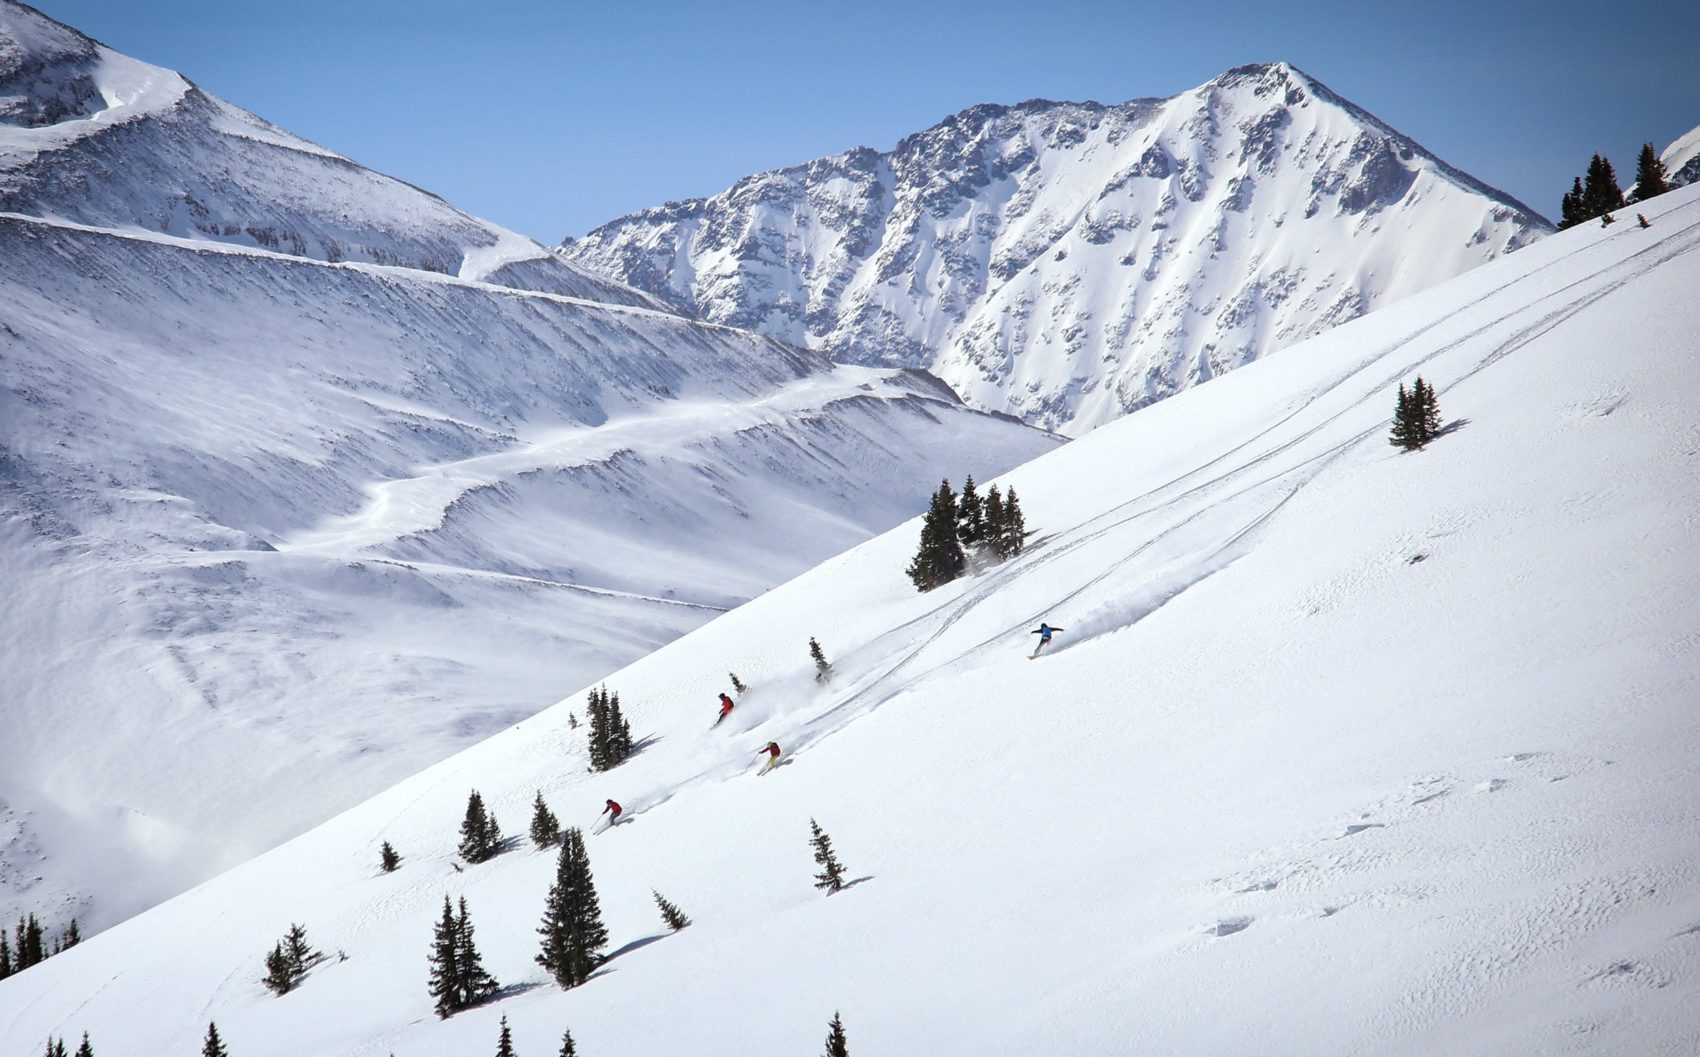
column 725, row 704
column 613, row 809
column 772, row 749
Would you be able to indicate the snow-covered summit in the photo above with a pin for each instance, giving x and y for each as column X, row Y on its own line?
column 1068, row 262
column 1340, row 751
column 96, row 137
column 1682, row 159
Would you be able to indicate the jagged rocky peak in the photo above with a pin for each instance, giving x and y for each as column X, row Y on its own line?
column 93, row 136
column 1068, row 262
column 1682, row 159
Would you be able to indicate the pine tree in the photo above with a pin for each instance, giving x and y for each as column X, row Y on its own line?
column 545, row 827
column 505, row 1043
column 568, row 1049
column 56, row 1047
column 1406, row 436
column 85, row 1050
column 671, row 914
column 1428, row 411
column 572, row 929
column 737, row 687
column 388, row 859
column 279, row 978
column 831, row 876
column 1650, row 179
column 1600, row 192
column 214, row 1046
column 1570, row 212
column 836, row 1046
column 71, row 936
column 619, row 734
column 596, row 711
column 994, row 520
column 445, row 965
column 1013, row 540
column 5, row 955
column 480, row 837
column 970, row 514
column 572, row 721
column 939, row 558
column 475, row 983
column 300, row 954
column 823, row 670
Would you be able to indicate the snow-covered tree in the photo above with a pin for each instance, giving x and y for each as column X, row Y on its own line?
column 836, row 1045
column 545, row 827
column 670, row 913
column 823, row 669
column 572, row 929
column 831, row 876
column 480, row 837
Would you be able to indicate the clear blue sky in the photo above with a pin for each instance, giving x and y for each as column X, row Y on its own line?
column 551, row 117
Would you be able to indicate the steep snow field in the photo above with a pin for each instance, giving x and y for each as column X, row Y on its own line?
column 1069, row 262
column 1342, row 750
column 1682, row 159
column 277, row 533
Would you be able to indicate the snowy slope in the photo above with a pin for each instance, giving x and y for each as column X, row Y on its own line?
column 1682, row 159
column 277, row 533
column 1342, row 751
column 1069, row 262
column 96, row 137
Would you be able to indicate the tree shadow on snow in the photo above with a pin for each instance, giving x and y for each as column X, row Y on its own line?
column 852, row 884
column 513, row 991
column 604, row 968
column 1452, row 427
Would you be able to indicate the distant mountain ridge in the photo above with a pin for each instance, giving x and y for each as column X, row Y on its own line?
column 1069, row 262
column 99, row 138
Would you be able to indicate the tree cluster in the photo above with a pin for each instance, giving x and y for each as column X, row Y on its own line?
column 610, row 734
column 572, row 929
column 480, row 836
column 56, row 1048
column 1416, row 418
column 1593, row 196
column 992, row 526
column 28, row 945
column 458, row 978
column 289, row 961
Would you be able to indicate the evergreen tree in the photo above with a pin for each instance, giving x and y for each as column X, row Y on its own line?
column 970, row 514
column 445, row 965
column 572, row 929
column 480, row 837
column 597, row 713
column 279, row 978
column 1428, row 411
column 1600, row 192
column 737, row 687
column 831, row 876
column 545, row 827
column 994, row 519
column 505, row 1043
column 300, row 954
column 56, row 1047
column 836, row 1046
column 939, row 559
column 214, row 1046
column 1013, row 539
column 71, row 936
column 671, row 914
column 1649, row 174
column 610, row 731
column 1570, row 211
column 388, row 859
column 1405, row 435
column 823, row 670
column 5, row 955
column 568, row 1049
column 619, row 733
column 572, row 721
column 85, row 1050
column 476, row 984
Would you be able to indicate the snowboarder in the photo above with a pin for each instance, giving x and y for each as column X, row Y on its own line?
column 613, row 811
column 725, row 709
column 772, row 750
column 1044, row 631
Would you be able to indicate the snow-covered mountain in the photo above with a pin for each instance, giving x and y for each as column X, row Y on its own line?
column 96, row 137
column 1682, row 159
column 1069, row 262
column 1340, row 750
column 277, row 531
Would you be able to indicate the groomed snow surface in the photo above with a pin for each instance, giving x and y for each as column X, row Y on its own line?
column 1342, row 750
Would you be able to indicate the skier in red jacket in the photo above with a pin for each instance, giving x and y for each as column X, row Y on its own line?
column 772, row 750
column 612, row 810
column 725, row 709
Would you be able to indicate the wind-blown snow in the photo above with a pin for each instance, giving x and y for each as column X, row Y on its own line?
column 1342, row 750
column 1069, row 262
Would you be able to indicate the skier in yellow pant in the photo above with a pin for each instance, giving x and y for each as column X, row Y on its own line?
column 772, row 750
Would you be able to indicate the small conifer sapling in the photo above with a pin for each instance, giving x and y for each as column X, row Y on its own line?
column 388, row 858
column 568, row 1048
column 831, row 876
column 85, row 1050
column 545, row 827
column 823, row 670
column 737, row 685
column 836, row 1044
column 670, row 913
column 213, row 1046
column 505, row 1041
